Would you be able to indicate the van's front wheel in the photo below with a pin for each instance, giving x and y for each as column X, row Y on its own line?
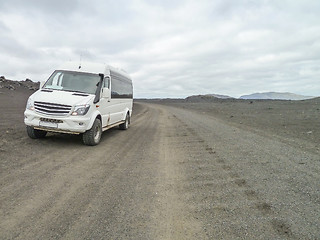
column 93, row 135
column 35, row 133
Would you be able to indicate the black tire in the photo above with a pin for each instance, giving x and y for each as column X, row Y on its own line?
column 35, row 133
column 125, row 125
column 93, row 135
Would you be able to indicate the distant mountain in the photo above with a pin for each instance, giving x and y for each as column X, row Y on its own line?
column 218, row 96
column 276, row 95
column 207, row 97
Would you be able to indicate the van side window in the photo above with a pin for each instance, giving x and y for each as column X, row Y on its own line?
column 121, row 86
column 106, row 82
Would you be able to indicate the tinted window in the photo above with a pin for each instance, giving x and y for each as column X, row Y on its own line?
column 121, row 86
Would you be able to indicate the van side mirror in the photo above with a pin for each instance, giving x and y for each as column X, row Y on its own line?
column 106, row 93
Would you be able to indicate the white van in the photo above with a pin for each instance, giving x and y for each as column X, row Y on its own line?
column 82, row 99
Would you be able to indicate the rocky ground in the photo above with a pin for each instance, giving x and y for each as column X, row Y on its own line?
column 17, row 85
column 218, row 169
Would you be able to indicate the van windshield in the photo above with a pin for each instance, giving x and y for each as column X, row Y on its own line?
column 73, row 81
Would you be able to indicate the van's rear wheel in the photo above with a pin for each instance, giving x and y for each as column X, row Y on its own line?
column 35, row 133
column 93, row 135
column 125, row 125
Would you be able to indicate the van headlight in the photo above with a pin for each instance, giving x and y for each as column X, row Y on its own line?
column 80, row 109
column 30, row 104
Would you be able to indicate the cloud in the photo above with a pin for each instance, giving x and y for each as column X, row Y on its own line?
column 170, row 48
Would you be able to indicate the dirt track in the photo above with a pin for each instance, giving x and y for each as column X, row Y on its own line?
column 175, row 174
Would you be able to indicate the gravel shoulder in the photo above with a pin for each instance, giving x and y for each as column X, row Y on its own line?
column 177, row 173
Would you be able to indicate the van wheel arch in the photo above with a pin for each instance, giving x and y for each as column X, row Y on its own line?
column 127, row 121
column 92, row 136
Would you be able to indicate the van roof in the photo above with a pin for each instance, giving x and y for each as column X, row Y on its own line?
column 90, row 67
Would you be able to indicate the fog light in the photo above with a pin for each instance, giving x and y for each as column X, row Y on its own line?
column 80, row 123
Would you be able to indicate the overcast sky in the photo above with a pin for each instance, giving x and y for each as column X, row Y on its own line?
column 170, row 48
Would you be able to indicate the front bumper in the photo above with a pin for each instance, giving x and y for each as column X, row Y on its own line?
column 64, row 124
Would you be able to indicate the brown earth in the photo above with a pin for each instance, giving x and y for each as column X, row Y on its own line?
column 217, row 170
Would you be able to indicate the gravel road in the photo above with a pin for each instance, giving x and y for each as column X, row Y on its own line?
column 174, row 174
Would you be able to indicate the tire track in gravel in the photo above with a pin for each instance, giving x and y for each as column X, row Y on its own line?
column 174, row 216
column 206, row 180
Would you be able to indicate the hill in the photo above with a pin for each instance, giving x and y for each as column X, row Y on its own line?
column 206, row 98
column 11, row 85
column 276, row 96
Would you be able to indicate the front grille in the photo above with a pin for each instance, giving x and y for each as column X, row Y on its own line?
column 52, row 108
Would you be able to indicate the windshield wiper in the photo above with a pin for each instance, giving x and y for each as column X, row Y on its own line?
column 52, row 89
column 67, row 90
